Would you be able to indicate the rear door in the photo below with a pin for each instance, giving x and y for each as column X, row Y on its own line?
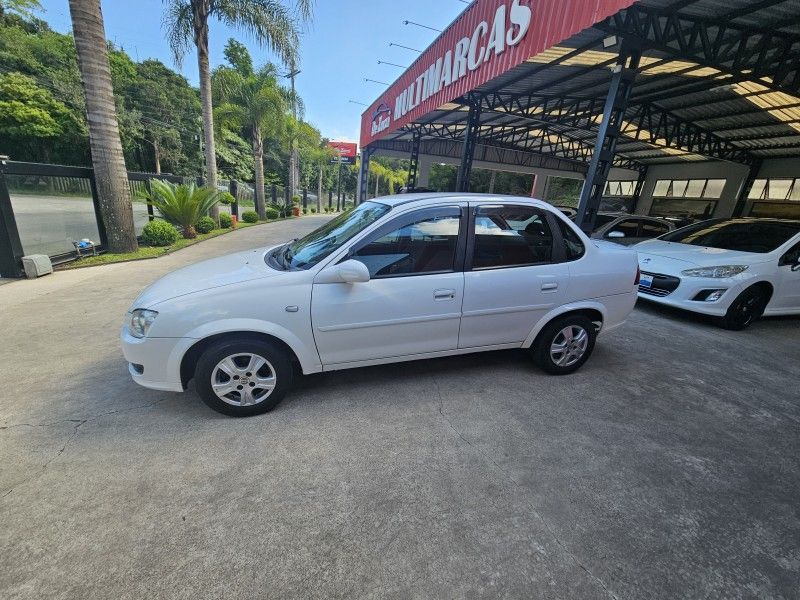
column 513, row 275
column 412, row 303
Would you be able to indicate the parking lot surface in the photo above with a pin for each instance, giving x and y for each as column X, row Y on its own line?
column 668, row 467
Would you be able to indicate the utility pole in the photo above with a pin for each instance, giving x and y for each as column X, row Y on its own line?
column 294, row 154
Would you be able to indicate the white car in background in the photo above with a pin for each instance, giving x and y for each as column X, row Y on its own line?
column 399, row 278
column 733, row 269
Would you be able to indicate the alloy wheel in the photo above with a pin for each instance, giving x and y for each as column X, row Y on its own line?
column 243, row 379
column 569, row 345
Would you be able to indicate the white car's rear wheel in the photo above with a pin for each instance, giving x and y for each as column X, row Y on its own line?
column 242, row 377
column 565, row 344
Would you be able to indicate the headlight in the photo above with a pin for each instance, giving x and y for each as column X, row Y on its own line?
column 715, row 272
column 141, row 320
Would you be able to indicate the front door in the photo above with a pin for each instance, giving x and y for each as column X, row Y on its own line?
column 787, row 294
column 412, row 303
column 513, row 275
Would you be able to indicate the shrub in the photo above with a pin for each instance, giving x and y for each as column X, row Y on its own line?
column 313, row 211
column 305, row 211
column 225, row 220
column 159, row 233
column 205, row 225
column 272, row 213
column 250, row 216
column 183, row 204
column 295, row 199
column 226, row 198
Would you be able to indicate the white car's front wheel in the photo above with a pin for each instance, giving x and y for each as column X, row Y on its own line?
column 746, row 308
column 243, row 377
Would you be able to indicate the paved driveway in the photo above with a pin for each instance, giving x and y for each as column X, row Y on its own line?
column 667, row 468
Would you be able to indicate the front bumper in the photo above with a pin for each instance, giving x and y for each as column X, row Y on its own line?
column 680, row 292
column 151, row 361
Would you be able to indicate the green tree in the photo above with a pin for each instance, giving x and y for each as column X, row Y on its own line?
column 29, row 114
column 238, row 57
column 21, row 8
column 107, row 158
column 270, row 22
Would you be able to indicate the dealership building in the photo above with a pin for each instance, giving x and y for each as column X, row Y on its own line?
column 675, row 108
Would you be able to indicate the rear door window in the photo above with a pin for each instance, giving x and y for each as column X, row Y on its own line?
column 511, row 236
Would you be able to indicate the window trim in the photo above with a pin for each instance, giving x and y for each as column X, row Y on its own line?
column 558, row 254
column 414, row 216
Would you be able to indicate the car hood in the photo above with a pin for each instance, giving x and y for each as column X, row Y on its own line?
column 206, row 275
column 660, row 256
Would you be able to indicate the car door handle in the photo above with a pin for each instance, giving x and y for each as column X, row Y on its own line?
column 444, row 294
column 549, row 287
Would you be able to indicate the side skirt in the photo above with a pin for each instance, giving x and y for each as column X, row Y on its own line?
column 409, row 357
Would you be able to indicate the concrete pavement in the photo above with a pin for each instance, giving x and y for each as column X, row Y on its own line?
column 666, row 468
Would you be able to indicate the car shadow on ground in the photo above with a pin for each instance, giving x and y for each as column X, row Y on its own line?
column 669, row 312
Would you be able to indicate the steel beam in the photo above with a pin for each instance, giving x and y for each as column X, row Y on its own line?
column 766, row 55
column 619, row 92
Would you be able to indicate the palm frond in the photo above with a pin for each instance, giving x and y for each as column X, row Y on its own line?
column 269, row 22
column 178, row 27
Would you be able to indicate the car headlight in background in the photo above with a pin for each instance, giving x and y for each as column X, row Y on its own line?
column 715, row 272
column 141, row 320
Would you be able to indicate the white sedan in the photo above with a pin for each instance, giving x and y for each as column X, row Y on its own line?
column 400, row 278
column 733, row 269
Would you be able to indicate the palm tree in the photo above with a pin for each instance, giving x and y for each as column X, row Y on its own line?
column 111, row 177
column 270, row 22
column 253, row 103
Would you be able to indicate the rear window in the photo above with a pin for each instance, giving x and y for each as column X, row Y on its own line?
column 739, row 235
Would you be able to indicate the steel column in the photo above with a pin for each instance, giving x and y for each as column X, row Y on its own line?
column 363, row 174
column 150, row 215
column 637, row 190
column 98, row 212
column 10, row 245
column 619, row 92
column 414, row 164
column 233, row 190
column 744, row 192
column 468, row 148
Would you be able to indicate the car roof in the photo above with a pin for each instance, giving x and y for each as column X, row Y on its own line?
column 436, row 197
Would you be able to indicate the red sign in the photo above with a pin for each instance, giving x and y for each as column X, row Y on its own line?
column 345, row 149
column 486, row 40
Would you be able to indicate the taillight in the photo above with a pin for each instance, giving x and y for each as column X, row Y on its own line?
column 638, row 275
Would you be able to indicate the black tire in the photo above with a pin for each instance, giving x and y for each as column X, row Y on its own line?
column 551, row 333
column 278, row 365
column 745, row 309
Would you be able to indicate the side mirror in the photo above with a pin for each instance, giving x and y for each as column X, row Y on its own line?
column 353, row 271
column 615, row 234
column 349, row 271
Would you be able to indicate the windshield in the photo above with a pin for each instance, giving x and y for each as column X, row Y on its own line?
column 740, row 235
column 308, row 251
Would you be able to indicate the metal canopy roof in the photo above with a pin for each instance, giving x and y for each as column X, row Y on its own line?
column 718, row 79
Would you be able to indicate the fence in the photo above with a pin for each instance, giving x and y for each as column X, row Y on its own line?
column 45, row 208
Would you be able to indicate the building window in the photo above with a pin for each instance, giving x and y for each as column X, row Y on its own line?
column 775, row 189
column 689, row 188
column 620, row 188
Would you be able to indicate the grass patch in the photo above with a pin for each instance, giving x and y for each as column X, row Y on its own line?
column 145, row 252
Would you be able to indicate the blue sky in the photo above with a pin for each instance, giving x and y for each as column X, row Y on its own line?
column 340, row 48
